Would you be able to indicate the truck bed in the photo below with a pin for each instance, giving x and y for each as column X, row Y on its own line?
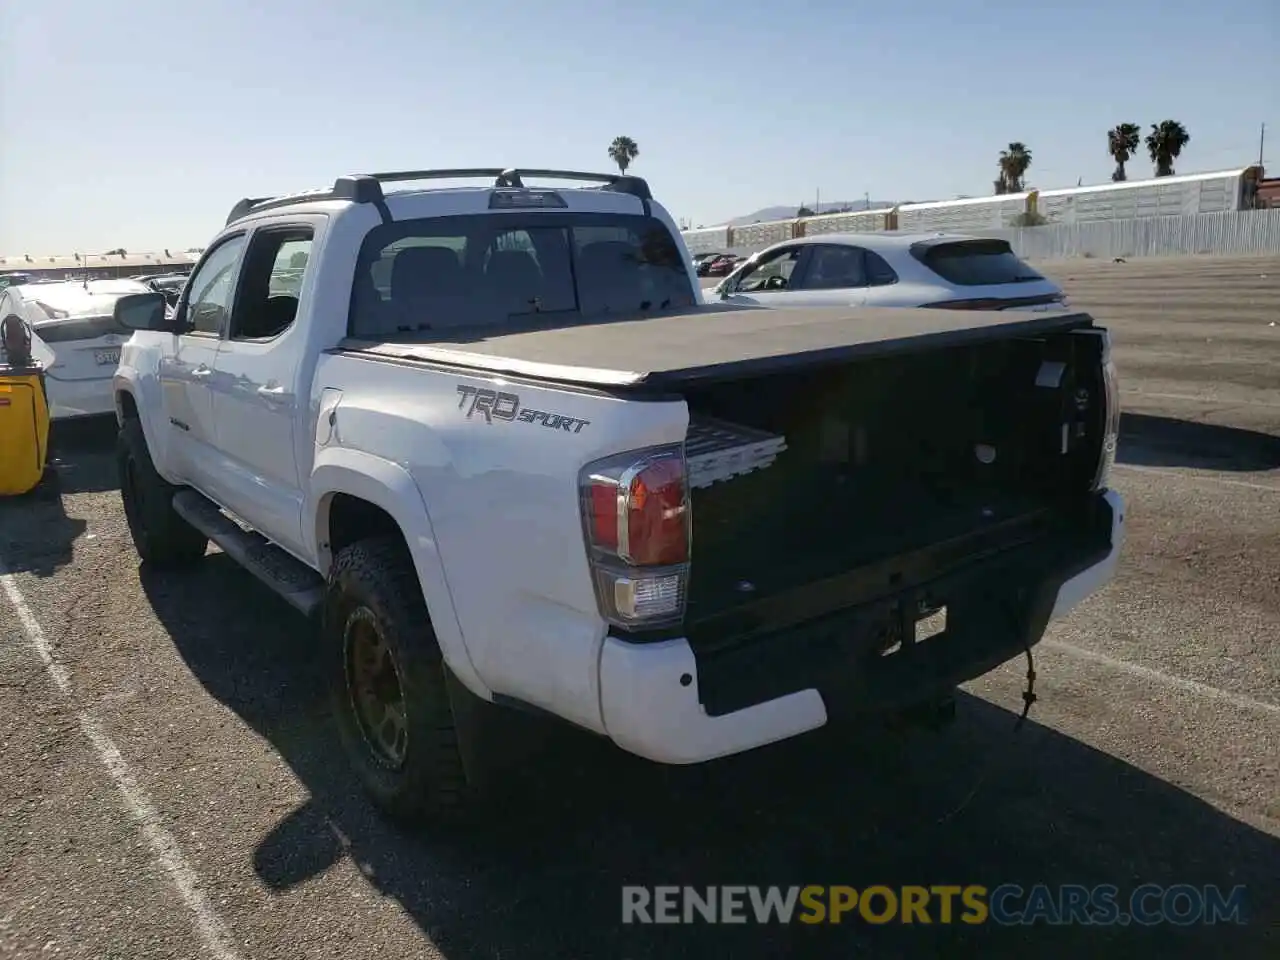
column 712, row 342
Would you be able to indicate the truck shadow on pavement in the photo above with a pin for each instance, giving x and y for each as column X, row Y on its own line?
column 82, row 455
column 1152, row 441
column 830, row 808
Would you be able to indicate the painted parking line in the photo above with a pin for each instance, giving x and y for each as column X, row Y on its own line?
column 1166, row 679
column 209, row 927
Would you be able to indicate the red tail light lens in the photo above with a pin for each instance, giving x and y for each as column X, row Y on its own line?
column 638, row 509
column 656, row 508
column 602, row 514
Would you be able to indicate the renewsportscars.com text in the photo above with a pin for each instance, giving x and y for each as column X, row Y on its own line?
column 1005, row 905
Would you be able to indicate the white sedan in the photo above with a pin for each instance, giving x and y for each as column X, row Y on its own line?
column 890, row 270
column 74, row 320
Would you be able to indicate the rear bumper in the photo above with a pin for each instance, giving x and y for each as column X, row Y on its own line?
column 79, row 398
column 663, row 702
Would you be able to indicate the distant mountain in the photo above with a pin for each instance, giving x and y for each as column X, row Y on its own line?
column 835, row 206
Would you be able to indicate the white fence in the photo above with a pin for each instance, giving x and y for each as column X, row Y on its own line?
column 1220, row 234
column 1212, row 234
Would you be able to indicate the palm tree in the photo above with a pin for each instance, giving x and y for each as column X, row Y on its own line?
column 1014, row 163
column 1165, row 143
column 622, row 151
column 1122, row 143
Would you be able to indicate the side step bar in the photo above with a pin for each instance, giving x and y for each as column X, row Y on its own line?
column 300, row 586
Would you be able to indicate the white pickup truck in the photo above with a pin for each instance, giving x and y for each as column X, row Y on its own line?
column 495, row 441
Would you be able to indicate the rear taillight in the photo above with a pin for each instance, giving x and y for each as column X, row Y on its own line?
column 635, row 510
column 1111, row 418
column 962, row 305
column 998, row 303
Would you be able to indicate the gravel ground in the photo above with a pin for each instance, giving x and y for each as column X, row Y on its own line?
column 178, row 793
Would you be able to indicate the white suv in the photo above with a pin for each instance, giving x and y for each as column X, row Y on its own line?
column 937, row 270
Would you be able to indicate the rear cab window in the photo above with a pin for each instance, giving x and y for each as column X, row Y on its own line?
column 975, row 263
column 419, row 278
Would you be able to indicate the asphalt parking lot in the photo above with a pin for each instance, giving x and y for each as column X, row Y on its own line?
column 170, row 784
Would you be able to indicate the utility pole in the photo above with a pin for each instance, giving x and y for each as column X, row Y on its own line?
column 1262, row 142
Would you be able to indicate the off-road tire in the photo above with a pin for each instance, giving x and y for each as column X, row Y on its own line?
column 160, row 534
column 376, row 576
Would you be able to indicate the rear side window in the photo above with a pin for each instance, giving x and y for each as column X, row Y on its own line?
column 266, row 303
column 975, row 263
column 423, row 277
column 835, row 267
column 879, row 273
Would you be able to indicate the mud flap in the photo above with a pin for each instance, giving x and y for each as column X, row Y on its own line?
column 499, row 745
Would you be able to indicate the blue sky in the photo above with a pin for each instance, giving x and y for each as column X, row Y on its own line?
column 139, row 124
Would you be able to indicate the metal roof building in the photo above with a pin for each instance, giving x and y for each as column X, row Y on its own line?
column 94, row 265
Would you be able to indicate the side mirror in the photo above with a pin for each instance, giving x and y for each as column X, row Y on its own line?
column 142, row 311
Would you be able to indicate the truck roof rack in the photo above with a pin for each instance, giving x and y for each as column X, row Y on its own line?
column 367, row 188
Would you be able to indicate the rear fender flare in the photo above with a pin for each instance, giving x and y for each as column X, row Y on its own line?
column 390, row 487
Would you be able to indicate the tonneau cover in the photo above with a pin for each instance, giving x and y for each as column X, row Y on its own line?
column 714, row 342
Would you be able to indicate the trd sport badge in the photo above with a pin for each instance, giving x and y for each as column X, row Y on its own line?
column 493, row 405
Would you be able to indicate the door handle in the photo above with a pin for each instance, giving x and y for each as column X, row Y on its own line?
column 271, row 393
column 202, row 371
